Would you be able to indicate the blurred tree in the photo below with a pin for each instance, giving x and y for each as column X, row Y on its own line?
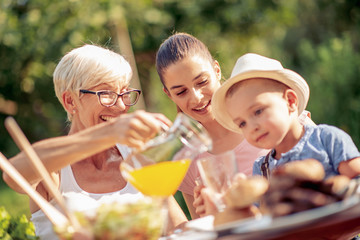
column 318, row 39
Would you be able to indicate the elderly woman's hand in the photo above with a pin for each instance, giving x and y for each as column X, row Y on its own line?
column 134, row 129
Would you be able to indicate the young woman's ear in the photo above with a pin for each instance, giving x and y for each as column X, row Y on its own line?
column 167, row 92
column 217, row 70
column 292, row 99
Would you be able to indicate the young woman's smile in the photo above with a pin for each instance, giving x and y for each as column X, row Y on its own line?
column 190, row 83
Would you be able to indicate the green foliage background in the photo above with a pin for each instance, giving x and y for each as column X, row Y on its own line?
column 318, row 39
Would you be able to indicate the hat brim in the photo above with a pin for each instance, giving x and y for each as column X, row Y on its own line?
column 285, row 76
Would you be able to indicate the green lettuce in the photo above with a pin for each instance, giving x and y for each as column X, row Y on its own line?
column 15, row 228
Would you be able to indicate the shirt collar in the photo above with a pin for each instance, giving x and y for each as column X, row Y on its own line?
column 297, row 149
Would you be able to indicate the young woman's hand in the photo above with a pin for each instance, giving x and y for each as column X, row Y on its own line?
column 209, row 205
column 203, row 202
column 199, row 201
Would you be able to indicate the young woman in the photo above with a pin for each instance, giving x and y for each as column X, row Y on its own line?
column 190, row 76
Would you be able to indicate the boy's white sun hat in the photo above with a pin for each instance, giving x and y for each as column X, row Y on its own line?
column 252, row 65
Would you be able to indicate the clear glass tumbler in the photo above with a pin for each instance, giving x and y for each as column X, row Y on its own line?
column 217, row 173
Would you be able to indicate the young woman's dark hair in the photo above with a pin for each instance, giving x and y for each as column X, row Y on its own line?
column 178, row 47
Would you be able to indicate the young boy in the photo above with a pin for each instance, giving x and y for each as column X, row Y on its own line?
column 262, row 100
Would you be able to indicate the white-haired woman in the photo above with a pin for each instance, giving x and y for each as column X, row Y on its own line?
column 92, row 84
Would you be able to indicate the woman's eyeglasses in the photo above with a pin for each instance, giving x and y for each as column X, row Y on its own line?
column 109, row 98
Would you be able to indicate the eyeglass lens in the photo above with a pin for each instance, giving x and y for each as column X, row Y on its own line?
column 109, row 98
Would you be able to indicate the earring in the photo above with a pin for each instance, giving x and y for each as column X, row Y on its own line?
column 74, row 111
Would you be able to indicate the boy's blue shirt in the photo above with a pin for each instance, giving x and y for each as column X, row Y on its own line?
column 328, row 144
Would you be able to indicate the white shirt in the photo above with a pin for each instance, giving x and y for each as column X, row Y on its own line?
column 79, row 200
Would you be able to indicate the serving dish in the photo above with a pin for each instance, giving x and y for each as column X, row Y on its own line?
column 339, row 220
column 331, row 222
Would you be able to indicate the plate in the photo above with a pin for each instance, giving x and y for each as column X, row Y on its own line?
column 310, row 222
column 304, row 217
column 197, row 229
column 201, row 224
column 246, row 224
column 207, row 223
column 330, row 216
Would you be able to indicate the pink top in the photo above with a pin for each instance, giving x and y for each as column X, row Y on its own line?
column 246, row 154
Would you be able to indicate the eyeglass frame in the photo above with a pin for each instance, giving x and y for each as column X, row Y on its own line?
column 117, row 97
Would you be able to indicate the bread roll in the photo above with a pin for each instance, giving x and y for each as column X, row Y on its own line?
column 244, row 192
column 338, row 184
column 307, row 169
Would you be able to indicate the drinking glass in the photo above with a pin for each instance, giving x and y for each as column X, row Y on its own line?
column 217, row 173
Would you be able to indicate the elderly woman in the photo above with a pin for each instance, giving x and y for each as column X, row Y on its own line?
column 92, row 84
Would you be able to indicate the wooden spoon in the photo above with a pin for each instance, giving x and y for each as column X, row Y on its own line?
column 39, row 167
column 54, row 215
